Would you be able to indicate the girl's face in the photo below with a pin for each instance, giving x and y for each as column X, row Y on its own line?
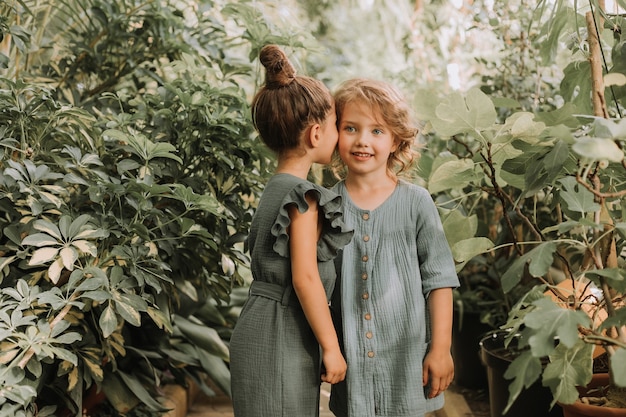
column 365, row 141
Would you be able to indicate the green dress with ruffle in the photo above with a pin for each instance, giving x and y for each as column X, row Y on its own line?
column 274, row 355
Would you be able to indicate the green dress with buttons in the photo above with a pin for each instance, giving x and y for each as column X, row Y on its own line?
column 274, row 355
column 398, row 254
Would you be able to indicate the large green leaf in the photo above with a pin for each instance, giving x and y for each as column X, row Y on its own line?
column 524, row 371
column 468, row 248
column 576, row 85
column 539, row 261
column 126, row 310
column 522, row 126
column 577, row 198
column 457, row 114
column 569, row 367
column 598, row 149
column 458, row 227
column 451, row 175
column 551, row 322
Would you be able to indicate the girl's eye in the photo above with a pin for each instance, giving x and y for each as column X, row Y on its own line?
column 377, row 131
column 349, row 129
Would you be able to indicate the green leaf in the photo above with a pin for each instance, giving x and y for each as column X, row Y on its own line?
column 204, row 337
column 456, row 114
column 195, row 201
column 618, row 366
column 617, row 320
column 609, row 129
column 614, row 277
column 64, row 226
column 134, row 385
column 539, row 259
column 451, row 175
column 49, row 228
column 135, row 301
column 68, row 338
column 542, row 259
column 144, row 147
column 550, row 322
column 121, row 396
column 54, row 270
column 524, row 371
column 576, row 85
column 598, row 149
column 458, row 227
column 559, row 118
column 217, row 370
column 466, row 249
column 43, row 255
column 108, row 321
column 85, row 247
column 77, row 225
column 128, row 313
column 577, row 198
column 68, row 256
column 569, row 368
column 39, row 240
column 523, row 126
column 161, row 319
column 614, row 79
column 555, row 159
column 209, row 313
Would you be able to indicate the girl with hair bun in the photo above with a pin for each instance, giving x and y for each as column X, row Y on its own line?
column 284, row 343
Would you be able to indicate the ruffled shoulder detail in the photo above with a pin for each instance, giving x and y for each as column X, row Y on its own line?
column 335, row 234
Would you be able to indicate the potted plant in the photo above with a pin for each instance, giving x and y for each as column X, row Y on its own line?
column 559, row 174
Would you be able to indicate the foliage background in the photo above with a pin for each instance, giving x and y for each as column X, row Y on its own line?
column 130, row 169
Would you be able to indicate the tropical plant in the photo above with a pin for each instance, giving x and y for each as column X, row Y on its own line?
column 556, row 171
column 128, row 175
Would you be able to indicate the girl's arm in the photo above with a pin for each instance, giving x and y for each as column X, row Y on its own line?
column 303, row 236
column 438, row 368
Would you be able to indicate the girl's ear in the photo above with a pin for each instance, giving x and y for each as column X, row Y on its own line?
column 314, row 136
column 395, row 146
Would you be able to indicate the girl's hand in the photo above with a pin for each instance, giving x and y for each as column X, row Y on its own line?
column 438, row 372
column 334, row 367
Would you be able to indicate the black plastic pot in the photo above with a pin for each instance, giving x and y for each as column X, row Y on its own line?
column 532, row 402
column 467, row 333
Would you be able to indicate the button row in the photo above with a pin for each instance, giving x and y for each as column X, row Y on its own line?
column 366, row 296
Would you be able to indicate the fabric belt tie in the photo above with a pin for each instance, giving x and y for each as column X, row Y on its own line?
column 274, row 292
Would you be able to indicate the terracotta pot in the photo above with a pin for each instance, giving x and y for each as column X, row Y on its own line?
column 579, row 409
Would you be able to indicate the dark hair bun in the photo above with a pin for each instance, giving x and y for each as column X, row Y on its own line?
column 278, row 70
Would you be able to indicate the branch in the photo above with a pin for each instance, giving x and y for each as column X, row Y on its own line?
column 597, row 193
column 500, row 194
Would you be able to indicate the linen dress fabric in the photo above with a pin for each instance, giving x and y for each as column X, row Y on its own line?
column 274, row 355
column 398, row 254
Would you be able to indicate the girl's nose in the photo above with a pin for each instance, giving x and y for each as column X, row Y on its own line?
column 361, row 139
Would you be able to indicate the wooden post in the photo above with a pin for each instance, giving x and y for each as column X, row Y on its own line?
column 595, row 62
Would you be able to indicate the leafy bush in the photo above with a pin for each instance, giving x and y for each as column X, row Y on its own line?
column 128, row 175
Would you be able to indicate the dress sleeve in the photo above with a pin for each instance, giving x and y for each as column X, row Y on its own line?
column 335, row 235
column 437, row 266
